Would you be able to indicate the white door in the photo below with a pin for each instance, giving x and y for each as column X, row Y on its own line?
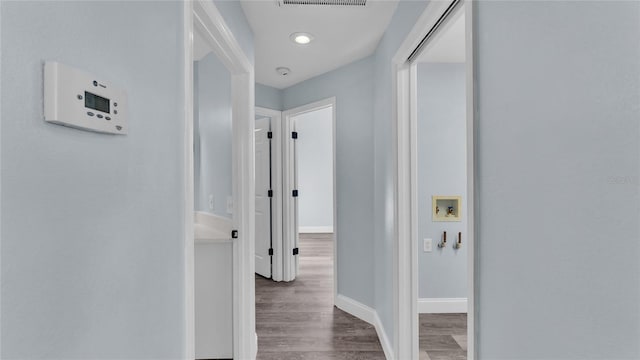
column 263, row 200
column 291, row 193
column 296, row 193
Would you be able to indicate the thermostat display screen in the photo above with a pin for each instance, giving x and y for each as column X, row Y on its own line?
column 96, row 102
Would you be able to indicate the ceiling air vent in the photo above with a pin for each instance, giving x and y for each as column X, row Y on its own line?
column 323, row 2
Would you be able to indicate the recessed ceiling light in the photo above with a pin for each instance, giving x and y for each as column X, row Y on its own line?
column 301, row 38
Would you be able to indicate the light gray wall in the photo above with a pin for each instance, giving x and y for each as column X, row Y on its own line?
column 213, row 135
column 442, row 170
column 233, row 15
column 314, row 148
column 558, row 148
column 352, row 85
column 92, row 250
column 403, row 20
column 269, row 97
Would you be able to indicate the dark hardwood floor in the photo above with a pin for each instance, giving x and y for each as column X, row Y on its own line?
column 297, row 320
column 443, row 336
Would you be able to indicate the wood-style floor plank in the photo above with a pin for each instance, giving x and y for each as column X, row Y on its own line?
column 297, row 320
column 443, row 336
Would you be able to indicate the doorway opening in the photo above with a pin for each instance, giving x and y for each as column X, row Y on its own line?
column 441, row 184
column 312, row 192
column 309, row 184
column 213, row 201
column 297, row 315
column 218, row 193
column 435, row 185
column 295, row 185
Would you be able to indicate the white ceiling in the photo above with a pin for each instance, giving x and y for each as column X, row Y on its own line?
column 449, row 44
column 342, row 34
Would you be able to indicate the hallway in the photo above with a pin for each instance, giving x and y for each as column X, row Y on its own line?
column 297, row 320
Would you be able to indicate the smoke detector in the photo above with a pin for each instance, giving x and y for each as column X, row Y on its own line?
column 283, row 71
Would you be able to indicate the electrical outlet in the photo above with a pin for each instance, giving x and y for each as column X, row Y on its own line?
column 211, row 202
column 428, row 245
column 229, row 204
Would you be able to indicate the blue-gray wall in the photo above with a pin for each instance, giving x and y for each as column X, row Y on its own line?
column 92, row 249
column 558, row 167
column 402, row 22
column 92, row 231
column 352, row 85
column 233, row 15
column 213, row 135
column 442, row 170
column 269, row 97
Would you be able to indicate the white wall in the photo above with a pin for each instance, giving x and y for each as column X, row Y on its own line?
column 558, row 147
column 314, row 150
column 442, row 154
column 212, row 135
column 92, row 229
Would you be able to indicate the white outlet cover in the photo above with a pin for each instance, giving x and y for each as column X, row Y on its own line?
column 428, row 245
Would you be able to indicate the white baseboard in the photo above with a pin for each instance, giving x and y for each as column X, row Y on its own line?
column 255, row 346
column 315, row 229
column 355, row 308
column 366, row 313
column 442, row 305
column 384, row 339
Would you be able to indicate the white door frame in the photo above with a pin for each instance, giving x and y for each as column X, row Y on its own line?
column 290, row 221
column 406, row 220
column 276, row 186
column 204, row 16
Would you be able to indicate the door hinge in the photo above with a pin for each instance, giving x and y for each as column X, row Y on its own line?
column 271, row 252
column 295, row 251
column 294, row 193
column 234, row 234
column 294, row 135
column 269, row 135
column 270, row 193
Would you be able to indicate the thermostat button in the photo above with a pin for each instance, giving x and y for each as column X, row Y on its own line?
column 90, row 113
column 107, row 118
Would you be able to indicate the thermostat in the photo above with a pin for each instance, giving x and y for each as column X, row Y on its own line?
column 78, row 99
